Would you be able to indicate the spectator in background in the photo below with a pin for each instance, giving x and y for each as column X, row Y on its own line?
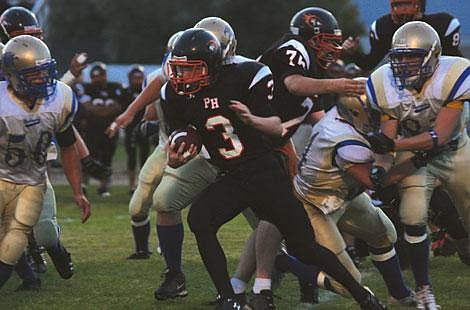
column 134, row 139
column 101, row 104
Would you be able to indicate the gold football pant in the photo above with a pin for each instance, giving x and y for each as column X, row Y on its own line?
column 359, row 218
column 20, row 207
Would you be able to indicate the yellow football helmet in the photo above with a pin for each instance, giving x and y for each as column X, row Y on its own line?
column 29, row 68
column 415, row 52
column 222, row 31
column 358, row 112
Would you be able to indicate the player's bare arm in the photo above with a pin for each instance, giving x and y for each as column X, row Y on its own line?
column 148, row 95
column 71, row 165
column 268, row 125
column 304, row 86
column 446, row 121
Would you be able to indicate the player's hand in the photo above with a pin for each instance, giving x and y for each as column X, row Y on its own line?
column 350, row 87
column 351, row 45
column 122, row 121
column 421, row 158
column 83, row 203
column 76, row 66
column 176, row 156
column 380, row 143
column 242, row 111
column 95, row 168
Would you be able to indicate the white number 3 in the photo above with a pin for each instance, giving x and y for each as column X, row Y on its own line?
column 229, row 136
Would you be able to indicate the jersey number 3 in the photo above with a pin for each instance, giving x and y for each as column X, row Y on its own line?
column 227, row 133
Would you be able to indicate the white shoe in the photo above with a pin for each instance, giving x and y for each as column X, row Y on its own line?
column 425, row 298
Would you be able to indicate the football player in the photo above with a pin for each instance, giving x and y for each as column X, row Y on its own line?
column 19, row 21
column 234, row 119
column 333, row 172
column 299, row 62
column 401, row 12
column 177, row 188
column 422, row 92
column 35, row 107
column 152, row 170
column 381, row 32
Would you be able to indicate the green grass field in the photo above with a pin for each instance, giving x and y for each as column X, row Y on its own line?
column 104, row 279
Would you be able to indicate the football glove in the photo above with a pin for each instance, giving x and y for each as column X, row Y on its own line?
column 95, row 168
column 380, row 143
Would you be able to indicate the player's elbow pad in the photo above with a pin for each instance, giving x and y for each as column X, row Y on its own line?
column 66, row 137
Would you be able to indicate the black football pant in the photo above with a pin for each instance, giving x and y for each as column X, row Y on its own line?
column 264, row 186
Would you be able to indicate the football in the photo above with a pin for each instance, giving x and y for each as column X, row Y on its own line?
column 187, row 135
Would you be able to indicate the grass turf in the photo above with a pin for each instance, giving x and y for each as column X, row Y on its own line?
column 104, row 279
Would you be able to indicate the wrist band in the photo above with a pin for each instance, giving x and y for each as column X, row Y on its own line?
column 434, row 137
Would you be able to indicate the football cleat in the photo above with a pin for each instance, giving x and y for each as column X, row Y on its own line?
column 372, row 303
column 425, row 298
column 62, row 261
column 308, row 293
column 173, row 286
column 240, row 298
column 228, row 304
column 408, row 301
column 262, row 301
column 36, row 259
column 139, row 255
column 29, row 285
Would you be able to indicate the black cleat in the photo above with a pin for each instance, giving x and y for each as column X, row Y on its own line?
column 240, row 298
column 372, row 303
column 29, row 285
column 139, row 255
column 62, row 261
column 36, row 259
column 262, row 301
column 228, row 304
column 308, row 293
column 173, row 286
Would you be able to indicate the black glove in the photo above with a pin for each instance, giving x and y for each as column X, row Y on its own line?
column 95, row 168
column 421, row 158
column 380, row 143
column 377, row 176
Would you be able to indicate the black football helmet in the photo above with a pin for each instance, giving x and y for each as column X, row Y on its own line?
column 195, row 61
column 320, row 29
column 18, row 21
column 403, row 11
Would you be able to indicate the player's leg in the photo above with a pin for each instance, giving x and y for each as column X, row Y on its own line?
column 139, row 206
column 218, row 204
column 177, row 189
column 415, row 193
column 20, row 207
column 131, row 163
column 278, row 205
column 369, row 223
column 455, row 179
column 46, row 232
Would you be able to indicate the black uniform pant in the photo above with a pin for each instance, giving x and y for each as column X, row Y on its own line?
column 264, row 186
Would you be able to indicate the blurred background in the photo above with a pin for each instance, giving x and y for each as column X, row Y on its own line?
column 121, row 33
column 126, row 31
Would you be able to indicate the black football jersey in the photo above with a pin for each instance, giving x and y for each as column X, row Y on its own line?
column 288, row 56
column 127, row 97
column 99, row 96
column 228, row 140
column 382, row 30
